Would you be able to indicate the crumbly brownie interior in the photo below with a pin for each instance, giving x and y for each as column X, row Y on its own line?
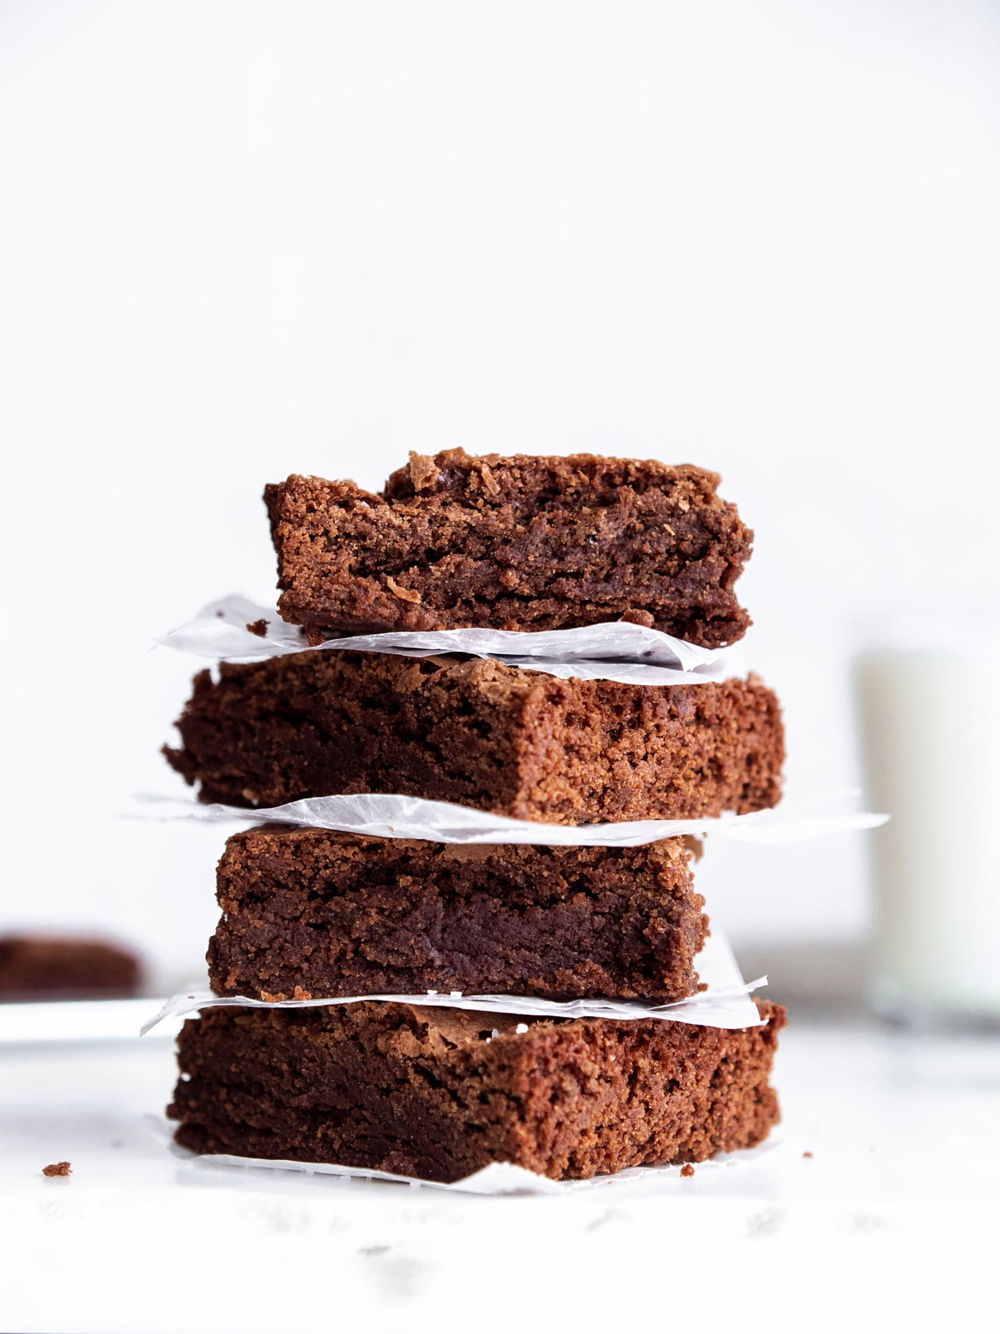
column 518, row 543
column 479, row 733
column 439, row 1094
column 310, row 912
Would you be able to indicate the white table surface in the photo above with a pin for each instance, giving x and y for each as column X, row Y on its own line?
column 893, row 1223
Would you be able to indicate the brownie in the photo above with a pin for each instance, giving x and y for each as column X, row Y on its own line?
column 480, row 733
column 51, row 967
column 516, row 543
column 310, row 913
column 438, row 1094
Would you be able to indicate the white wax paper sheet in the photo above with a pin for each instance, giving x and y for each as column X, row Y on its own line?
column 496, row 1178
column 385, row 815
column 611, row 651
column 726, row 1002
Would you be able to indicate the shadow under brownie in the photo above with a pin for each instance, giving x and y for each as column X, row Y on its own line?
column 438, row 1094
column 514, row 543
column 313, row 913
column 480, row 733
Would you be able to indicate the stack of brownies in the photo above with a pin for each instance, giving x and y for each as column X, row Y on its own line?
column 522, row 544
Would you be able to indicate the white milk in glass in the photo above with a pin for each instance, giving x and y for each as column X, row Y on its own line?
column 931, row 737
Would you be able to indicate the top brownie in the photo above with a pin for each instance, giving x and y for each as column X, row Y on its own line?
column 515, row 543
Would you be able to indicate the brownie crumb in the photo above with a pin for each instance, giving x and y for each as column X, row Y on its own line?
column 57, row 1170
column 808, row 1153
column 258, row 628
column 687, row 1170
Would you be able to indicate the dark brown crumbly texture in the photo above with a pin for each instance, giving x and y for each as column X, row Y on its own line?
column 57, row 1170
column 48, row 967
column 310, row 912
column 434, row 1094
column 479, row 733
column 517, row 543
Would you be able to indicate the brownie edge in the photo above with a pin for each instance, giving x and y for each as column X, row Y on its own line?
column 438, row 1094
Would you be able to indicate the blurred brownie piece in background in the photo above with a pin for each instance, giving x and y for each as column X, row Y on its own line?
column 438, row 1093
column 57, row 967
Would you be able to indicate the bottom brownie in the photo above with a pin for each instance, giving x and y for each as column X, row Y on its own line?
column 438, row 1094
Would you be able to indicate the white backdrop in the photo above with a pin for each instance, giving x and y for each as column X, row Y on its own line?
column 239, row 240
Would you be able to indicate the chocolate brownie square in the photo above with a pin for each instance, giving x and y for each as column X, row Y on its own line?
column 53, row 967
column 479, row 733
column 514, row 543
column 438, row 1094
column 313, row 913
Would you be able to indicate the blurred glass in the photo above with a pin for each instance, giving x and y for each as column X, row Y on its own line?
column 930, row 728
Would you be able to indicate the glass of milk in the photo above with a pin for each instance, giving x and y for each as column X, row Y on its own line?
column 930, row 725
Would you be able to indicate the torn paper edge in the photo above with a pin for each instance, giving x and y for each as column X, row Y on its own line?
column 610, row 651
column 388, row 815
column 725, row 1003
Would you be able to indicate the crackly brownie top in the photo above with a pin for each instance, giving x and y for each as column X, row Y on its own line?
column 528, row 483
column 519, row 542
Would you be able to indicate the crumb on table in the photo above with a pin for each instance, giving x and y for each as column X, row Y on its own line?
column 258, row 627
column 808, row 1153
column 57, row 1170
column 687, row 1170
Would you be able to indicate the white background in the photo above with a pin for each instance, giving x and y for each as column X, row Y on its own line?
column 240, row 240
